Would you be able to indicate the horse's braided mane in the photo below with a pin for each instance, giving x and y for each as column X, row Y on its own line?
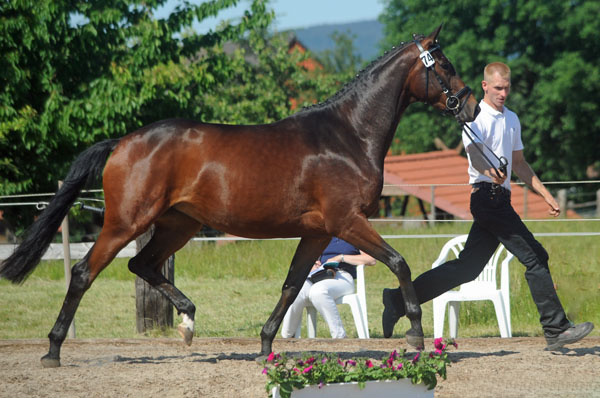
column 359, row 76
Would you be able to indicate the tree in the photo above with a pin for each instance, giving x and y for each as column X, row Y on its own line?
column 270, row 82
column 343, row 58
column 74, row 73
column 551, row 47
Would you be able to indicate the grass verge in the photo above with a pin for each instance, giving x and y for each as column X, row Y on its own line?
column 236, row 286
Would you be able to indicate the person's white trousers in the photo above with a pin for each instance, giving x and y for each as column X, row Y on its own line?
column 322, row 296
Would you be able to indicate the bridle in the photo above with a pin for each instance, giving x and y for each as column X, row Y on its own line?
column 454, row 105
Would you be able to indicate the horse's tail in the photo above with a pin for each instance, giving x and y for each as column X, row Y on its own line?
column 85, row 169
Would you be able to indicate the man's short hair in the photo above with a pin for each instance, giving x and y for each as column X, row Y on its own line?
column 496, row 67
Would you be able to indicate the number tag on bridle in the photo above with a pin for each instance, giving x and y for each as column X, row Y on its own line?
column 427, row 59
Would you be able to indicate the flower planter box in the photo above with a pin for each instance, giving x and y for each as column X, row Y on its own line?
column 379, row 388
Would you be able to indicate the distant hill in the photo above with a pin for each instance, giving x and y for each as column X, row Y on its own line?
column 367, row 41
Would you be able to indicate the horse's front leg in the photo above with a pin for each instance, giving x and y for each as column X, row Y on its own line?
column 307, row 252
column 414, row 336
column 362, row 235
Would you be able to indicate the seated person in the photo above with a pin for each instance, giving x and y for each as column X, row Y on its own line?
column 322, row 294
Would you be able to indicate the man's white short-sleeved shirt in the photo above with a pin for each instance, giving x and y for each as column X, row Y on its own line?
column 499, row 131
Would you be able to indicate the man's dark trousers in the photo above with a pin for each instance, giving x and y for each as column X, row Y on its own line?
column 496, row 221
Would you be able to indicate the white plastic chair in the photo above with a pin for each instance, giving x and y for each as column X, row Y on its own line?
column 357, row 302
column 484, row 287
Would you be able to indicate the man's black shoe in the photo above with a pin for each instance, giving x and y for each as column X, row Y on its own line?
column 569, row 336
column 390, row 316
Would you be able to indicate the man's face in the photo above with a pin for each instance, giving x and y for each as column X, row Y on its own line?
column 495, row 91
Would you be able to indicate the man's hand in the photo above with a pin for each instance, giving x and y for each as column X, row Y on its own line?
column 316, row 265
column 497, row 178
column 554, row 208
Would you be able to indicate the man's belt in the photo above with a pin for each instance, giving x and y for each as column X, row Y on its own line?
column 494, row 188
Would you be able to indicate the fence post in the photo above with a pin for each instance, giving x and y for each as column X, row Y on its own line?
column 433, row 212
column 152, row 309
column 387, row 202
column 64, row 227
column 598, row 203
column 562, row 202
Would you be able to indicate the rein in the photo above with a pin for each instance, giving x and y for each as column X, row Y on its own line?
column 503, row 162
column 454, row 105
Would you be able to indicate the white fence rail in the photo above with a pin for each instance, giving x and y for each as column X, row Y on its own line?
column 78, row 251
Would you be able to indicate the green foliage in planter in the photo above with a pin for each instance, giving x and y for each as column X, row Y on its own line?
column 320, row 369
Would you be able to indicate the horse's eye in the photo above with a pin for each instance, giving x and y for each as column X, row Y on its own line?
column 445, row 66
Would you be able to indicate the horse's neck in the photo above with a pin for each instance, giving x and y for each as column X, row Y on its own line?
column 375, row 104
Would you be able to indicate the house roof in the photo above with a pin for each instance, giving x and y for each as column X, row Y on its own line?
column 310, row 64
column 414, row 174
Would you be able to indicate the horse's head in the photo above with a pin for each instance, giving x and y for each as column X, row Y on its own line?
column 435, row 81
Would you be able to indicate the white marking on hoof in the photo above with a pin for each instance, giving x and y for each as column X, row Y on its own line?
column 186, row 329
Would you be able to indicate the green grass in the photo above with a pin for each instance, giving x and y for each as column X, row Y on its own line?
column 236, row 286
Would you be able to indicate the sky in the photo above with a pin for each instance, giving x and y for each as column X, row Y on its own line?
column 290, row 14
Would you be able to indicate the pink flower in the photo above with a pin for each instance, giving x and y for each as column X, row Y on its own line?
column 439, row 352
column 438, row 343
column 416, row 358
column 399, row 366
column 265, row 370
column 324, row 360
column 307, row 369
column 310, row 360
column 321, row 384
column 351, row 362
column 340, row 362
column 394, row 355
column 368, row 363
column 271, row 357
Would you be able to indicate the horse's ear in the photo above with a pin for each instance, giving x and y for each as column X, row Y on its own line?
column 434, row 35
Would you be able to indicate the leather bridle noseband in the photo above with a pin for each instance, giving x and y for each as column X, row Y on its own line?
column 453, row 101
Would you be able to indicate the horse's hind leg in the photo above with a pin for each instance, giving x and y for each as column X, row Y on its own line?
column 77, row 287
column 172, row 231
column 307, row 252
column 82, row 275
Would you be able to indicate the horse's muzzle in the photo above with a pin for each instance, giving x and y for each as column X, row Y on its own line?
column 469, row 112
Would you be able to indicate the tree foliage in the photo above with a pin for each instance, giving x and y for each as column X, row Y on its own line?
column 344, row 57
column 551, row 47
column 74, row 73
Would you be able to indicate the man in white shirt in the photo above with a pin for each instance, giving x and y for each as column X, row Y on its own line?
column 496, row 129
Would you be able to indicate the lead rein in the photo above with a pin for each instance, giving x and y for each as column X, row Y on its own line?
column 502, row 160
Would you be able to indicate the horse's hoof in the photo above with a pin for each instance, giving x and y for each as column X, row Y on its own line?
column 48, row 362
column 186, row 334
column 415, row 340
column 261, row 358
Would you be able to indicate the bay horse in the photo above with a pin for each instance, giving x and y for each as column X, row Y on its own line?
column 313, row 175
